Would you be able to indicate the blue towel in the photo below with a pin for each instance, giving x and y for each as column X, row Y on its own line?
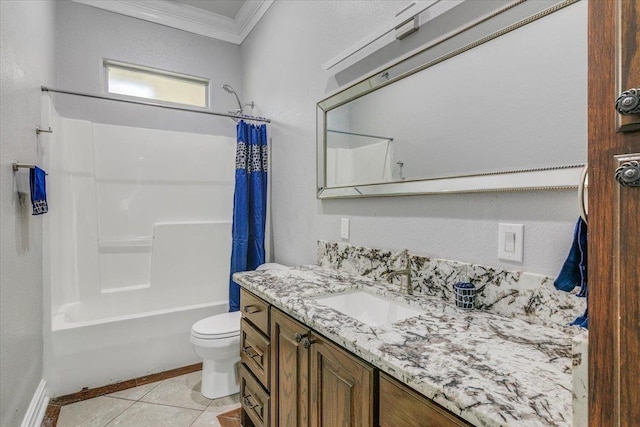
column 583, row 320
column 38, row 190
column 574, row 270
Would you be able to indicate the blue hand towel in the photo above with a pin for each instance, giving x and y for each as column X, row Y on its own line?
column 582, row 321
column 574, row 269
column 38, row 190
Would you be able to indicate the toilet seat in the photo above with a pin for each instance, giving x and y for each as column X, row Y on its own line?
column 226, row 325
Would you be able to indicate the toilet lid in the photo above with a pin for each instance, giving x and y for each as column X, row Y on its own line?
column 224, row 325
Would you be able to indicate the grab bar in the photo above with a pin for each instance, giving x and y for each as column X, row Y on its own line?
column 584, row 183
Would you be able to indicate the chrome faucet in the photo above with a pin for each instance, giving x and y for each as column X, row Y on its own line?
column 404, row 272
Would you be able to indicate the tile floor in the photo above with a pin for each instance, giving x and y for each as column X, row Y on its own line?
column 174, row 402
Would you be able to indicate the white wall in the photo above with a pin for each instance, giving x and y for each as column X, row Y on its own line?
column 27, row 61
column 87, row 35
column 282, row 60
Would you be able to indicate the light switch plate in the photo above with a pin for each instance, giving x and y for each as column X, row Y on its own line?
column 344, row 228
column 511, row 242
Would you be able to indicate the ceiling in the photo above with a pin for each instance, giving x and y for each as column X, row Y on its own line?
column 227, row 20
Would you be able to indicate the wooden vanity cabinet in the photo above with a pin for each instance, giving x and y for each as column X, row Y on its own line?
column 291, row 376
column 315, row 382
column 402, row 406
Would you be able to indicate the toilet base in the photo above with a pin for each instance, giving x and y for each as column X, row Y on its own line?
column 219, row 378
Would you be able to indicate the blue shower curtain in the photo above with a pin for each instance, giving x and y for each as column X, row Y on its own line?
column 249, row 204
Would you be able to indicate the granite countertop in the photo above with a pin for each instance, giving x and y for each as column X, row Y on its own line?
column 488, row 369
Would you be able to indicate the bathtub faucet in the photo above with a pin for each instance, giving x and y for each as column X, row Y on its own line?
column 405, row 271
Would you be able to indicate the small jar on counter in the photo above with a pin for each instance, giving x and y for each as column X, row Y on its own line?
column 465, row 295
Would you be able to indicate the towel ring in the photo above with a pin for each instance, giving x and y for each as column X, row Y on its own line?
column 584, row 183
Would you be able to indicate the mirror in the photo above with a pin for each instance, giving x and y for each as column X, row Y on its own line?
column 499, row 105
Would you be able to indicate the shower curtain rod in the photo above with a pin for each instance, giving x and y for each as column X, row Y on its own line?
column 360, row 134
column 156, row 104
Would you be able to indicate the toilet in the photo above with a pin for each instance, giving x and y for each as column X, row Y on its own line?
column 216, row 340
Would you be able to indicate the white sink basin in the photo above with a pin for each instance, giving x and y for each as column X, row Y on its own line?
column 368, row 308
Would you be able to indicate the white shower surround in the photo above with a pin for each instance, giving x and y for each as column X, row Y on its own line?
column 137, row 244
column 370, row 163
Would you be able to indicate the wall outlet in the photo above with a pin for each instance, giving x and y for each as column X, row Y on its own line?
column 344, row 228
column 511, row 242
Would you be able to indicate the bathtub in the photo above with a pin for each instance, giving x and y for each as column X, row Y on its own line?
column 123, row 332
column 88, row 350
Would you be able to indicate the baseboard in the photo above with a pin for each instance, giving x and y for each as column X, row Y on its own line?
column 90, row 393
column 37, row 407
column 53, row 411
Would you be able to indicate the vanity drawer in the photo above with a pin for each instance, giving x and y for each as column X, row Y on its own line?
column 402, row 406
column 254, row 400
column 255, row 352
column 255, row 310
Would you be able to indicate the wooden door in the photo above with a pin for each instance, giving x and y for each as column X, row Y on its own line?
column 614, row 216
column 289, row 372
column 341, row 387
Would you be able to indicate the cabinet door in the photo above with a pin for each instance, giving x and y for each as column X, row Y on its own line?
column 290, row 372
column 401, row 406
column 341, row 386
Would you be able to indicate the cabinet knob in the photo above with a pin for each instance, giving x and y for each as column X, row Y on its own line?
column 306, row 342
column 628, row 174
column 628, row 102
column 298, row 336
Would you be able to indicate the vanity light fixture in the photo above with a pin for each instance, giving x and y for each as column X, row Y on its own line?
column 404, row 20
column 408, row 27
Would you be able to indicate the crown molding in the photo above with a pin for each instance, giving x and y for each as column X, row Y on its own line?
column 188, row 18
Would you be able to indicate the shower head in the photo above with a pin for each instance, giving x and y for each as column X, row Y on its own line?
column 229, row 89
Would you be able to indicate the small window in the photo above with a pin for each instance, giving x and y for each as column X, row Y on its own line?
column 141, row 82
